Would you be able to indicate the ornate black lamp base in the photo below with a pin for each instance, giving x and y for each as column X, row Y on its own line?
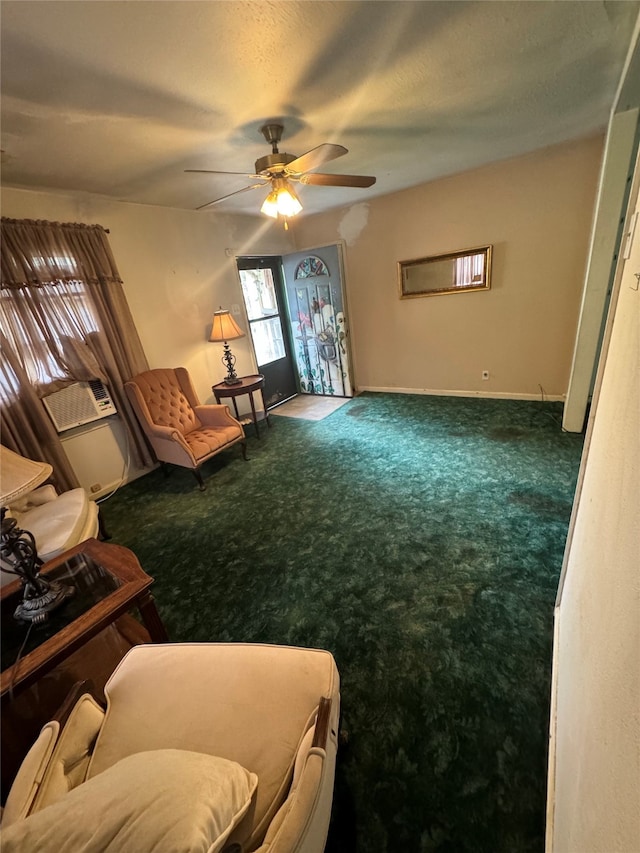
column 229, row 360
column 19, row 556
column 36, row 609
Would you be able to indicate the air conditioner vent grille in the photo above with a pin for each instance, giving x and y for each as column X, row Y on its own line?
column 79, row 404
column 99, row 391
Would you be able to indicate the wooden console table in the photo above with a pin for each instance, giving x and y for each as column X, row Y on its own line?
column 108, row 581
column 246, row 385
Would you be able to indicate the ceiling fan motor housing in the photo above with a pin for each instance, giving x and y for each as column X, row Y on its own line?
column 273, row 163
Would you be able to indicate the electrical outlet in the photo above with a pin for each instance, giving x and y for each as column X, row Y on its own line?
column 485, row 374
column 235, row 309
column 95, row 488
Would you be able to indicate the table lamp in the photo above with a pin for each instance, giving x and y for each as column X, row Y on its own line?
column 225, row 329
column 18, row 550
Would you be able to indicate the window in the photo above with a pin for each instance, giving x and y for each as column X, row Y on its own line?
column 43, row 323
column 259, row 293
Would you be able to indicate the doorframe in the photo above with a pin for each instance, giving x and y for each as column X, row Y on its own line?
column 342, row 262
column 283, row 310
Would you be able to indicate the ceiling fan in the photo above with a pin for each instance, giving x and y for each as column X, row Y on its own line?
column 279, row 169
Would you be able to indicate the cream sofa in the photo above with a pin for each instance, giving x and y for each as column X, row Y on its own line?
column 203, row 747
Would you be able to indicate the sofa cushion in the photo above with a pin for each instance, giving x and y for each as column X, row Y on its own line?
column 167, row 801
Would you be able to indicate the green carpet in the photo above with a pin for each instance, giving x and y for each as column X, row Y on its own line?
column 420, row 540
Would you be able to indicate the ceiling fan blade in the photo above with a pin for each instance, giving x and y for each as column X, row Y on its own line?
column 320, row 180
column 316, row 157
column 223, row 197
column 215, row 172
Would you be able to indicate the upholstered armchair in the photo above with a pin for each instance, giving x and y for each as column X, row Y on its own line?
column 180, row 430
column 203, row 747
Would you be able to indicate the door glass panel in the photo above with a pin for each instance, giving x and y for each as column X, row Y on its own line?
column 263, row 294
column 259, row 293
column 267, row 340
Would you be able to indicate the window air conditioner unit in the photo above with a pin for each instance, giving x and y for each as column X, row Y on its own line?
column 79, row 404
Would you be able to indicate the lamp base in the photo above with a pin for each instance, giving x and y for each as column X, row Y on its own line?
column 37, row 608
column 229, row 360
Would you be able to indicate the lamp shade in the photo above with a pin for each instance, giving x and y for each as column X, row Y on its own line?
column 224, row 327
column 19, row 476
column 270, row 205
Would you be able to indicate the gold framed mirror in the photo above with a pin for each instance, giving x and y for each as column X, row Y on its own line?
column 453, row 272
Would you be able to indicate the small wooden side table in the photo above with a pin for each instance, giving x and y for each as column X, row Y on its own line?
column 246, row 385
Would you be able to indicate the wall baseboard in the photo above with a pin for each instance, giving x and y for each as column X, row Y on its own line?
column 437, row 392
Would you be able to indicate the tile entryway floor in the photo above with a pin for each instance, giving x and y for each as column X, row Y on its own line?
column 310, row 407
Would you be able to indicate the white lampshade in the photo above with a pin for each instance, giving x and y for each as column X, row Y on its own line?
column 19, row 476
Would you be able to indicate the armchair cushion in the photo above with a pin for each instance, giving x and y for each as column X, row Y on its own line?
column 204, row 442
column 166, row 800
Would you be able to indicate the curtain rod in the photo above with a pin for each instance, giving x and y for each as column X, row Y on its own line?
column 11, row 220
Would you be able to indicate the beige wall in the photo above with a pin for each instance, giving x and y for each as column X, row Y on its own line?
column 594, row 774
column 175, row 269
column 536, row 210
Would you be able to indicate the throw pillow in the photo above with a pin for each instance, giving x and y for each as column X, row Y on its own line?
column 165, row 801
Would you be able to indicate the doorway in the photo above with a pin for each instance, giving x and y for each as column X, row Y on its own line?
column 263, row 292
column 296, row 311
column 317, row 320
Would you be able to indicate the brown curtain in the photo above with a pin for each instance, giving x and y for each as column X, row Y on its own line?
column 25, row 427
column 65, row 318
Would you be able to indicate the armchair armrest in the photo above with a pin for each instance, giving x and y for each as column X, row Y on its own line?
column 43, row 495
column 301, row 823
column 216, row 415
column 323, row 721
column 164, row 432
column 77, row 690
column 38, row 497
column 59, row 758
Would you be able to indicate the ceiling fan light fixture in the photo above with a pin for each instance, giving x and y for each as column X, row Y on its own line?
column 282, row 200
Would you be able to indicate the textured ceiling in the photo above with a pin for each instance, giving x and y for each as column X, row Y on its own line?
column 118, row 98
